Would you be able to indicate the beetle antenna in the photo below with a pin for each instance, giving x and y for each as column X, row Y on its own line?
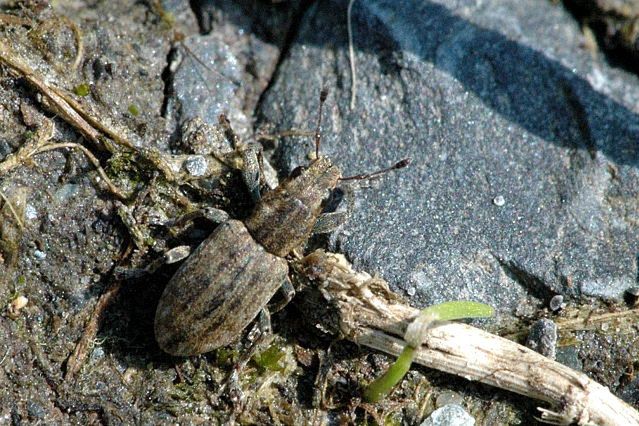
column 318, row 135
column 399, row 165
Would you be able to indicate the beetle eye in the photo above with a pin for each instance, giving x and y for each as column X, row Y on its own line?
column 297, row 171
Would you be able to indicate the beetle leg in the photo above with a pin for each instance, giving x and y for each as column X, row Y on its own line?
column 234, row 389
column 288, row 292
column 264, row 322
column 321, row 380
column 259, row 336
column 176, row 253
column 170, row 256
column 328, row 222
column 253, row 169
column 209, row 213
column 261, row 333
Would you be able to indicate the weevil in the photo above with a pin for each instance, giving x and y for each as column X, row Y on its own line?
column 222, row 287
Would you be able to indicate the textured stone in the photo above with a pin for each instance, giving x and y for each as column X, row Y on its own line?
column 226, row 68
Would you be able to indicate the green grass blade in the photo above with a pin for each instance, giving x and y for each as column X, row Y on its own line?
column 380, row 387
column 458, row 309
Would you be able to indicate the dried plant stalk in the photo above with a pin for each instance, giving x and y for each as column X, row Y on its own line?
column 371, row 315
column 20, row 68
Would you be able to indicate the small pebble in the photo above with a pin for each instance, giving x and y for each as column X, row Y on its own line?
column 97, row 353
column 30, row 212
column 67, row 191
column 16, row 305
column 196, row 166
column 35, row 410
column 499, row 201
column 557, row 303
column 39, row 254
column 449, row 415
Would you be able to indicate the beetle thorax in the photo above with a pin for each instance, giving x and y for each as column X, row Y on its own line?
column 284, row 218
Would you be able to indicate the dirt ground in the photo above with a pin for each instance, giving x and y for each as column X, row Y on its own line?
column 64, row 233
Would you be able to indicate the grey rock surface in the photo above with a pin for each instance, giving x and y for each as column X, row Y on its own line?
column 490, row 100
column 206, row 81
column 226, row 69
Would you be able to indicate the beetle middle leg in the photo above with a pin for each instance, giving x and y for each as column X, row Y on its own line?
column 260, row 335
column 178, row 253
column 262, row 330
column 173, row 255
column 211, row 214
column 258, row 338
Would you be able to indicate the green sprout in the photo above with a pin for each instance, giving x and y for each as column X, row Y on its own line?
column 270, row 359
column 81, row 89
column 134, row 110
column 415, row 335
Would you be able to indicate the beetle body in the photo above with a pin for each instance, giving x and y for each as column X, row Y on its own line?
column 232, row 275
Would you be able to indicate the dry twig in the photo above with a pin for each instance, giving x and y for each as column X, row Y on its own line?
column 76, row 360
column 15, row 214
column 94, row 122
column 18, row 67
column 96, row 163
column 40, row 143
column 70, row 110
column 371, row 315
